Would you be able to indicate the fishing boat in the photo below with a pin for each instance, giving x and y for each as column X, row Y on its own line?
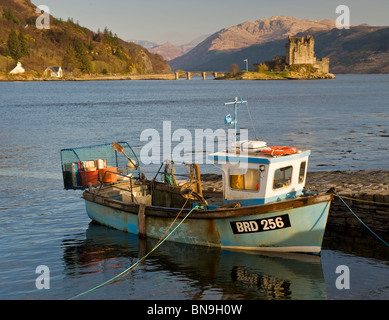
column 263, row 205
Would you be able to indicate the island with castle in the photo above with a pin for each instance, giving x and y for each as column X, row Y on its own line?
column 298, row 63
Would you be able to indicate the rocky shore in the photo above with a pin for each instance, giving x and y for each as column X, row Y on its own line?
column 350, row 182
column 282, row 75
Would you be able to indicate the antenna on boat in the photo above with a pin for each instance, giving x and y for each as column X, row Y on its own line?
column 228, row 119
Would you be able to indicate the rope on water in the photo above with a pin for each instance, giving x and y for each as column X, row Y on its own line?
column 155, row 247
column 128, row 270
column 359, row 219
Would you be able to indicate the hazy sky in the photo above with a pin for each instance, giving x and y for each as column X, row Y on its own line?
column 180, row 21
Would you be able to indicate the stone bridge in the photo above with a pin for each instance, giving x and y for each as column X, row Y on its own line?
column 189, row 74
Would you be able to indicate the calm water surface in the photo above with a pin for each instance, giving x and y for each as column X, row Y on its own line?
column 345, row 122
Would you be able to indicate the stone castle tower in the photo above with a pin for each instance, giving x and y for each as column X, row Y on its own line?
column 301, row 50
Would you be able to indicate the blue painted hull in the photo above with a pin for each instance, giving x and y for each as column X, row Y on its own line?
column 305, row 233
column 299, row 229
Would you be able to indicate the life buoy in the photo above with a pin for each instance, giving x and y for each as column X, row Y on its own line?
column 279, row 150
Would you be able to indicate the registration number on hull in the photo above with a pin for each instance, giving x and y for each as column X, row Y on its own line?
column 260, row 225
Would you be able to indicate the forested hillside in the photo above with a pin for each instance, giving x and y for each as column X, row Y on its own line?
column 68, row 44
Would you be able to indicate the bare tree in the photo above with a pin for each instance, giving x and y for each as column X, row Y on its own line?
column 234, row 69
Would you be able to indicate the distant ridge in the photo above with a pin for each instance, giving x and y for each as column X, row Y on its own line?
column 169, row 51
column 264, row 30
column 245, row 35
column 144, row 43
column 360, row 49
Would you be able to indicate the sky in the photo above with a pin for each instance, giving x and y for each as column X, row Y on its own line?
column 181, row 21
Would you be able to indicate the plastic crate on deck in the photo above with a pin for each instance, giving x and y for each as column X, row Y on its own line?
column 82, row 165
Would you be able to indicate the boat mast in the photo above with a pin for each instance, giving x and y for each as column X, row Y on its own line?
column 228, row 117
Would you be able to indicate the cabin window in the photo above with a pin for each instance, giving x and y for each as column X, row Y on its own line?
column 302, row 171
column 282, row 177
column 244, row 179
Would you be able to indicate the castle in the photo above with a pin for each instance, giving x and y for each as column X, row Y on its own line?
column 299, row 50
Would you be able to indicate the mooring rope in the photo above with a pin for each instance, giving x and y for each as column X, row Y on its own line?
column 155, row 246
column 366, row 201
column 359, row 219
column 128, row 270
column 350, row 198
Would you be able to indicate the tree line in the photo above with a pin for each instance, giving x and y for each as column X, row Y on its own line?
column 17, row 46
column 77, row 55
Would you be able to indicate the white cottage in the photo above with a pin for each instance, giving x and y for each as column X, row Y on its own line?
column 54, row 71
column 18, row 69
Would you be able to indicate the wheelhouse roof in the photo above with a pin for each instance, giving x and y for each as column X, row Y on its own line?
column 260, row 158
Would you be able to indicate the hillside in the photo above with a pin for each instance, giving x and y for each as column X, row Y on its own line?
column 360, row 49
column 264, row 30
column 67, row 44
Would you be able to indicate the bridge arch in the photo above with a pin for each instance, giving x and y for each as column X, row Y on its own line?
column 189, row 74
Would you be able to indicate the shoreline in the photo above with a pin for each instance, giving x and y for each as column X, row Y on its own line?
column 282, row 75
column 169, row 76
column 162, row 76
column 172, row 76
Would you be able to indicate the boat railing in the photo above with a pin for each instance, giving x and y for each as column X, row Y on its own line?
column 84, row 165
column 115, row 184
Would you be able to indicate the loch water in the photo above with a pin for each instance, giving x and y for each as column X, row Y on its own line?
column 345, row 122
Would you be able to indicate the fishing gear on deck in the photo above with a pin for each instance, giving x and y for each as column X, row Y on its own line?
column 117, row 147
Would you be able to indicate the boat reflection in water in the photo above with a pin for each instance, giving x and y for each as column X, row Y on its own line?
column 230, row 274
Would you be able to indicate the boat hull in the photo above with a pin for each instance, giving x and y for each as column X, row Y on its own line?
column 294, row 230
column 291, row 226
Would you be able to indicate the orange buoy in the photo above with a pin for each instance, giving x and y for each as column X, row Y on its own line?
column 279, row 150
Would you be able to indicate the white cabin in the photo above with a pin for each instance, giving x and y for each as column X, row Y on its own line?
column 18, row 69
column 53, row 71
column 251, row 177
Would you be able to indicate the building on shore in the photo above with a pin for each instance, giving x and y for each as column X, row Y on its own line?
column 298, row 51
column 18, row 69
column 54, row 71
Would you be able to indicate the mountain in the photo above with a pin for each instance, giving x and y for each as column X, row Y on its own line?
column 246, row 34
column 190, row 45
column 360, row 49
column 144, row 43
column 67, row 44
column 169, row 51
column 265, row 30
